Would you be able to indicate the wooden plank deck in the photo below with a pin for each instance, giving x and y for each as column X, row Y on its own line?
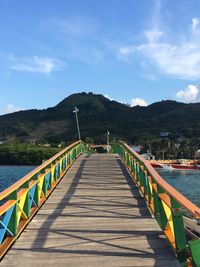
column 95, row 217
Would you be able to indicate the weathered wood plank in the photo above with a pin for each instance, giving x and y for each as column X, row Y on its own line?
column 95, row 217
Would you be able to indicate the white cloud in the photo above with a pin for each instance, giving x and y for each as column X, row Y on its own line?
column 190, row 94
column 36, row 65
column 10, row 108
column 138, row 102
column 178, row 57
column 180, row 60
column 195, row 23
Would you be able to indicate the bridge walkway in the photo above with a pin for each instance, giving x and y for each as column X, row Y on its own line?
column 95, row 217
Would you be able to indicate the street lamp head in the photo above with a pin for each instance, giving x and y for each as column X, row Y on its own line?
column 75, row 110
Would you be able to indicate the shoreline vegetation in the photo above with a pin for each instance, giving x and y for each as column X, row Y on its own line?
column 35, row 154
column 25, row 154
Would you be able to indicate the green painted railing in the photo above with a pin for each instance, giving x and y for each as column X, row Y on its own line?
column 165, row 203
column 21, row 201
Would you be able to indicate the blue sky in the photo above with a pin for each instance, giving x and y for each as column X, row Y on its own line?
column 132, row 51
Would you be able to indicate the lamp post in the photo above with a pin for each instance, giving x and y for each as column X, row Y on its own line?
column 76, row 111
column 108, row 133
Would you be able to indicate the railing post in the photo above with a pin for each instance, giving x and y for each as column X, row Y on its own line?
column 132, row 167
column 52, row 170
column 179, row 232
column 194, row 251
column 37, row 197
column 44, row 187
column 13, row 225
column 135, row 169
column 26, row 207
column 158, row 208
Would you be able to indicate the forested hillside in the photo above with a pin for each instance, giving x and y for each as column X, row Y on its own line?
column 97, row 114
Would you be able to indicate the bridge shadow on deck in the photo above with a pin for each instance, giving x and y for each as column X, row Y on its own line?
column 74, row 237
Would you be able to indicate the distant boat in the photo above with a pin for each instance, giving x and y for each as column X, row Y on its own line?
column 175, row 166
column 184, row 167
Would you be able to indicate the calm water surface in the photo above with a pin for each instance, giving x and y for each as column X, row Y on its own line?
column 186, row 182
column 10, row 174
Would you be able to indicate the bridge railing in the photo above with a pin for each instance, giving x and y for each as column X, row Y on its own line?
column 166, row 204
column 21, row 201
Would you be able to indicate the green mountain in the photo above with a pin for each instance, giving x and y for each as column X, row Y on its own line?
column 97, row 114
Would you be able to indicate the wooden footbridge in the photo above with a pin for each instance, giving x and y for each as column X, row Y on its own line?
column 78, row 209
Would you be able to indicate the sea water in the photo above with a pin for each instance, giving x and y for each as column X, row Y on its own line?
column 10, row 174
column 184, row 181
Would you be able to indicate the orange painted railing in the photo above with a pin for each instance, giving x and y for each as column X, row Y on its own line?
column 21, row 201
column 166, row 203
